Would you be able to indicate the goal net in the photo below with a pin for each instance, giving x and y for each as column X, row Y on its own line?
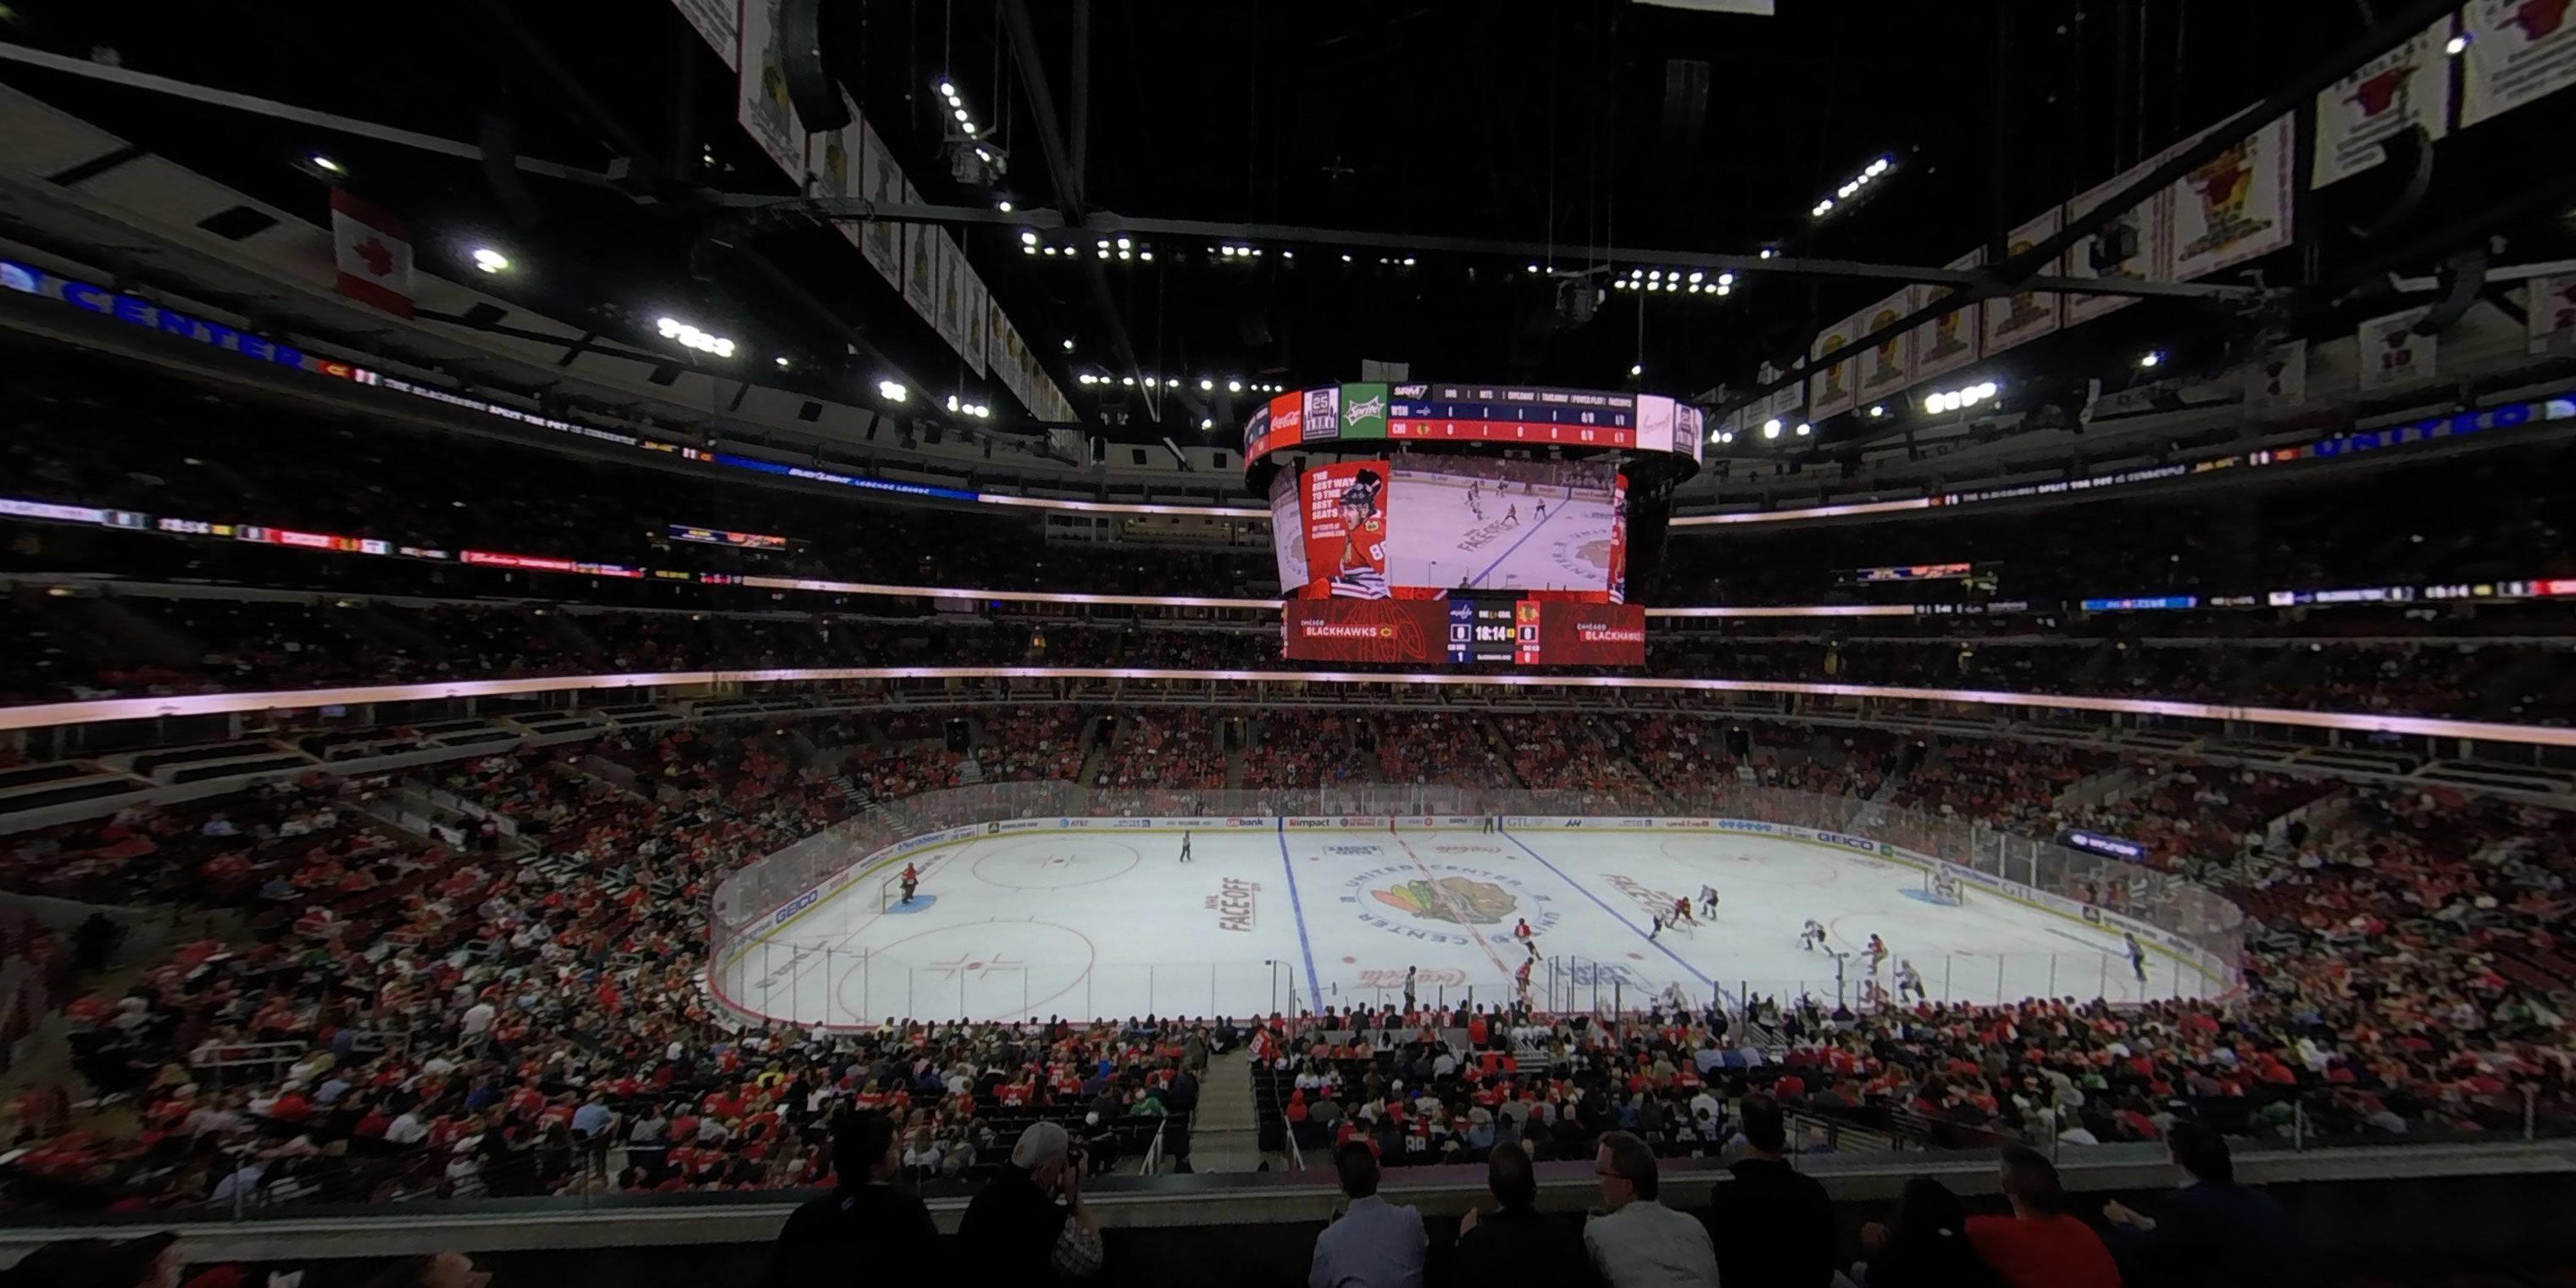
column 1940, row 884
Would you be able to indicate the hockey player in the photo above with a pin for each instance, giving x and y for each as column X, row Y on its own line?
column 1522, row 932
column 1408, row 989
column 1910, row 981
column 1657, row 928
column 1708, row 901
column 1682, row 913
column 911, row 881
column 2137, row 956
column 1813, row 937
column 1185, row 845
column 1512, row 515
column 1877, row 954
column 1522, row 978
column 1541, row 511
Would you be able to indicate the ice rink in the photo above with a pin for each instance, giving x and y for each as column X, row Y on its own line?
column 1112, row 923
column 1437, row 539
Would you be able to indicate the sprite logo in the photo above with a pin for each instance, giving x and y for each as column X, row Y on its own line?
column 1361, row 410
column 1364, row 410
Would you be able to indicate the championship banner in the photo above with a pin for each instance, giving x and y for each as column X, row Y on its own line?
column 2277, row 380
column 2130, row 244
column 2392, row 356
column 2027, row 315
column 2549, row 304
column 1832, row 391
column 920, row 264
column 1346, row 523
column 1784, row 405
column 838, row 162
column 1365, row 630
column 719, row 22
column 881, row 181
column 2236, row 205
column 2519, row 51
column 951, row 323
column 2409, row 85
column 1887, row 366
column 971, row 326
column 760, row 99
column 1949, row 341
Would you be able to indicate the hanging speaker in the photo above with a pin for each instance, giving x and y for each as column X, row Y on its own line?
column 800, row 60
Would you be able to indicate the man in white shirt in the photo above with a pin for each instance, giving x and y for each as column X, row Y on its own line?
column 1640, row 1243
column 478, row 1021
column 406, row 1128
column 1375, row 1244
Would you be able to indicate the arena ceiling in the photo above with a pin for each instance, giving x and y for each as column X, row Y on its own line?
column 1542, row 123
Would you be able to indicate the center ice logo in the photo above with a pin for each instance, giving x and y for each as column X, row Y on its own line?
column 1421, row 904
column 1459, row 899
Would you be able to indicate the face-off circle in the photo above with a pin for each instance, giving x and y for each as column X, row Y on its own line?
column 987, row 970
column 1054, row 863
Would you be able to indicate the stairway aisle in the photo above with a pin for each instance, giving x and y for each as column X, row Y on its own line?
column 1225, row 1135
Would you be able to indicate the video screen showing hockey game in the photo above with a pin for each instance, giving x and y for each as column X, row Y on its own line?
column 1432, row 527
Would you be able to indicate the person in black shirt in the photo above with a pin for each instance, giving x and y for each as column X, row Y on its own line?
column 1516, row 1244
column 864, row 1221
column 1772, row 1224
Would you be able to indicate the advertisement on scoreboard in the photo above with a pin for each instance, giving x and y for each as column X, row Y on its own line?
column 1289, row 550
column 1346, row 528
column 1525, row 632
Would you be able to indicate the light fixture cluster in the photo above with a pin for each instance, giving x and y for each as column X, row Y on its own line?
column 1959, row 399
column 977, row 410
column 1391, row 261
column 892, row 390
column 1694, row 281
column 965, row 120
column 1206, row 384
column 490, row 260
column 2151, row 358
column 1126, row 248
column 692, row 337
column 1873, row 171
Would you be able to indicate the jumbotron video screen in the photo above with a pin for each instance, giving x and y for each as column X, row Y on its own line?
column 1431, row 539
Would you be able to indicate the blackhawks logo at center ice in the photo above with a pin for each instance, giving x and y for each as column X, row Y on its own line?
column 1456, row 899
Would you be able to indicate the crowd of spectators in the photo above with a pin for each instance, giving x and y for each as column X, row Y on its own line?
column 406, row 1018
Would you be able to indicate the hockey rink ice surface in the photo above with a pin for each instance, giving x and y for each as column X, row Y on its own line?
column 1112, row 924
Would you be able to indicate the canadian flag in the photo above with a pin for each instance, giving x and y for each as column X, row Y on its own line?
column 373, row 252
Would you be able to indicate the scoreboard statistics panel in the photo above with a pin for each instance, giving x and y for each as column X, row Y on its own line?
column 1502, row 415
column 1505, row 414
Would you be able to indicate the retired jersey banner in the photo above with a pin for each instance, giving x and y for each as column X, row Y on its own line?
column 952, row 292
column 760, row 100
column 1887, row 366
column 2392, row 355
column 2277, row 381
column 2236, row 205
column 2550, row 307
column 972, row 325
column 2409, row 85
column 1346, row 528
column 2519, row 51
column 1784, row 405
column 1949, row 341
column 2027, row 315
column 1831, row 391
column 2130, row 244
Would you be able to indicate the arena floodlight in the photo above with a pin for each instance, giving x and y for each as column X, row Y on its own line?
column 1068, row 344
column 2151, row 357
column 490, row 260
column 1206, row 384
column 1028, row 238
column 326, row 164
column 2456, row 45
column 1234, row 386
column 892, row 390
column 1004, row 205
column 1771, row 428
column 1805, row 429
